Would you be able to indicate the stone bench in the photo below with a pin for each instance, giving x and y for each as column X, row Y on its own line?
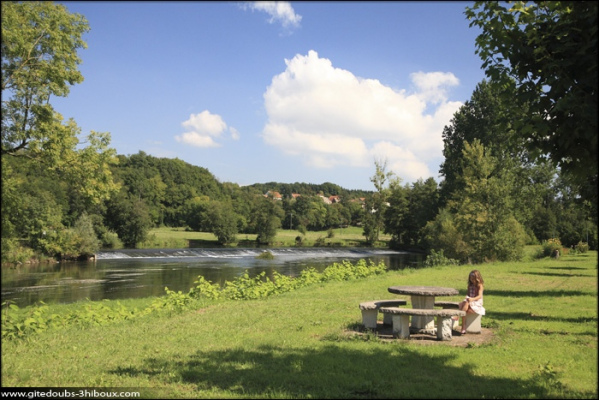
column 472, row 319
column 454, row 305
column 370, row 311
column 401, row 320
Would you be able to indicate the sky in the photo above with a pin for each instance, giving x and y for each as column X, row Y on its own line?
column 286, row 92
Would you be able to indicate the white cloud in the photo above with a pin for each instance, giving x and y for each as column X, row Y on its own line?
column 279, row 11
column 197, row 140
column 234, row 133
column 203, row 128
column 330, row 117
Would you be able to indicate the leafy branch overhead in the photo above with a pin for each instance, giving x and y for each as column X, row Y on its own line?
column 548, row 51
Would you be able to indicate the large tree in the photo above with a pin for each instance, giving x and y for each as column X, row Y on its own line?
column 39, row 48
column 478, row 224
column 40, row 41
column 548, row 50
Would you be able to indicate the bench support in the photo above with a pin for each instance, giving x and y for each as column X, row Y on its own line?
column 369, row 318
column 370, row 311
column 473, row 323
column 444, row 328
column 401, row 326
column 423, row 323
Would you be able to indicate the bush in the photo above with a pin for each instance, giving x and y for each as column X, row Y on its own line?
column 438, row 258
column 13, row 252
column 550, row 246
column 582, row 247
column 110, row 240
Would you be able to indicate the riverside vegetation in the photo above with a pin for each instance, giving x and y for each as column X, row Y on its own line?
column 255, row 339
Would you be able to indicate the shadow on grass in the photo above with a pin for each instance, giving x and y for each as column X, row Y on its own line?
column 569, row 268
column 564, row 275
column 333, row 372
column 195, row 243
column 511, row 316
column 530, row 293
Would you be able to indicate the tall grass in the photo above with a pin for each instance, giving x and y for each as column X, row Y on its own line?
column 300, row 344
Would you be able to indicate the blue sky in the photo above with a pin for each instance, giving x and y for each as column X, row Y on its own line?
column 274, row 91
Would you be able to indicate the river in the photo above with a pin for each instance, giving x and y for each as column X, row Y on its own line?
column 122, row 274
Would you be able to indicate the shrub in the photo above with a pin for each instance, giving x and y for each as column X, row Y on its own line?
column 438, row 258
column 550, row 246
column 582, row 247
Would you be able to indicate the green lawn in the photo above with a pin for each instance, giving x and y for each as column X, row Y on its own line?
column 178, row 237
column 300, row 344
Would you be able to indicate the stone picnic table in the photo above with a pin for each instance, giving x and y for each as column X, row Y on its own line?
column 423, row 297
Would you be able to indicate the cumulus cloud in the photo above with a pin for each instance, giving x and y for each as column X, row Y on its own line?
column 329, row 117
column 203, row 129
column 279, row 11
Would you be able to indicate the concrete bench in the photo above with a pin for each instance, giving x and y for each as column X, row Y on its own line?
column 370, row 311
column 472, row 319
column 401, row 320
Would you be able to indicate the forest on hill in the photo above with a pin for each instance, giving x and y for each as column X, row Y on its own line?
column 520, row 161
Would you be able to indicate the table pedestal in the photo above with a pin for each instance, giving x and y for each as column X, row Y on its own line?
column 423, row 324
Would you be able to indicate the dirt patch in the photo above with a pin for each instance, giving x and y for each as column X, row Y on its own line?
column 385, row 333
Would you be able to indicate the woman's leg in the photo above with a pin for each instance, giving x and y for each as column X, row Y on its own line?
column 464, row 306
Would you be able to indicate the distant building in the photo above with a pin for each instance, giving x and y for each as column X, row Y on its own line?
column 325, row 199
column 274, row 195
column 335, row 199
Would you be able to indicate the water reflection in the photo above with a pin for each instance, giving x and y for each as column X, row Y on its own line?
column 136, row 274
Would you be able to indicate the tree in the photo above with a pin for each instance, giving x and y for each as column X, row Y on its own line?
column 423, row 205
column 129, row 218
column 265, row 219
column 397, row 213
column 223, row 221
column 374, row 213
column 39, row 60
column 548, row 50
column 481, row 225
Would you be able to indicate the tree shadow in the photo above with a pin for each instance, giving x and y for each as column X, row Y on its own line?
column 199, row 243
column 333, row 371
column 527, row 316
column 530, row 293
column 569, row 268
column 564, row 275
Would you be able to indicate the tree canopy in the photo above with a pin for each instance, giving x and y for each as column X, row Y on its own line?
column 548, row 50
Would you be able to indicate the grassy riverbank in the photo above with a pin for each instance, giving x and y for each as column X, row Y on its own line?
column 178, row 238
column 300, row 345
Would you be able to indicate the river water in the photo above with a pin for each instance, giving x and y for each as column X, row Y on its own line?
column 125, row 274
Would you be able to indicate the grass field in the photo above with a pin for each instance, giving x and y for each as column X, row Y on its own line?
column 543, row 315
column 178, row 238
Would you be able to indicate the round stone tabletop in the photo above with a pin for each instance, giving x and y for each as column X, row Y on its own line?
column 424, row 290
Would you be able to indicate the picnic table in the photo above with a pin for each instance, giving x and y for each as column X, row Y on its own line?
column 423, row 297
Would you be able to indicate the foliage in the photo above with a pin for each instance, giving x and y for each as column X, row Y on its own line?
column 265, row 255
column 582, row 247
column 129, row 218
column 265, row 219
column 481, row 226
column 549, row 51
column 88, row 243
column 435, row 259
column 48, row 165
column 375, row 205
column 550, row 247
